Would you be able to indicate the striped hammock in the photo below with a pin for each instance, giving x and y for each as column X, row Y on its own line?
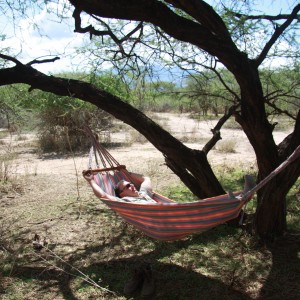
column 167, row 220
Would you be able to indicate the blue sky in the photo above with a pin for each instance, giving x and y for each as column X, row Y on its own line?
column 56, row 38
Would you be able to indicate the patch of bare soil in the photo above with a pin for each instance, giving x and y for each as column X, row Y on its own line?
column 54, row 201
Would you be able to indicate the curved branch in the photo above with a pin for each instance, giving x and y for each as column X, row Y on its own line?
column 237, row 98
column 204, row 14
column 216, row 130
column 288, row 145
column 90, row 28
column 193, row 161
column 10, row 58
column 42, row 61
column 35, row 61
column 281, row 111
column 92, row 31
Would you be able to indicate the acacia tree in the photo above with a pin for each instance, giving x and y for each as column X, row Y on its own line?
column 189, row 26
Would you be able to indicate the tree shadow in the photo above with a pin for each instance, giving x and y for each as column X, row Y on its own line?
column 285, row 270
column 172, row 281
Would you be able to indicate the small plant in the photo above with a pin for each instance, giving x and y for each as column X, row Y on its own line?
column 9, row 181
column 3, row 134
column 6, row 165
column 232, row 124
column 227, row 146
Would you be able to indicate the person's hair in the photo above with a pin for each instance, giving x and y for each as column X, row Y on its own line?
column 117, row 188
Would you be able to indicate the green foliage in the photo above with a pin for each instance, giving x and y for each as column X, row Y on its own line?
column 111, row 83
column 293, row 207
column 59, row 120
column 209, row 95
column 179, row 193
column 204, row 94
column 281, row 87
column 231, row 180
column 12, row 104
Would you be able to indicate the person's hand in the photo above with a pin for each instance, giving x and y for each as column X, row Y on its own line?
column 88, row 175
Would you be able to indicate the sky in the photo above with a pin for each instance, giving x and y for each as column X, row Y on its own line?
column 56, row 38
column 50, row 39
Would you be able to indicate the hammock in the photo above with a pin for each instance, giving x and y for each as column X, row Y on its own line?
column 167, row 220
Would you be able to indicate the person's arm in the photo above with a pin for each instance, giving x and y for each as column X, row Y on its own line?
column 89, row 177
column 143, row 181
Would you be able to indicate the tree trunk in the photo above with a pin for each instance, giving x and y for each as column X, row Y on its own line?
column 270, row 218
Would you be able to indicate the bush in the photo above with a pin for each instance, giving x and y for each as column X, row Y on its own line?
column 227, row 146
column 63, row 131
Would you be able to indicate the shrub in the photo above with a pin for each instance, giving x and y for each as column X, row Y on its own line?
column 63, row 131
column 227, row 146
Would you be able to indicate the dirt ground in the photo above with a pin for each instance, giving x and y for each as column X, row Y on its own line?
column 33, row 207
column 197, row 133
column 43, row 178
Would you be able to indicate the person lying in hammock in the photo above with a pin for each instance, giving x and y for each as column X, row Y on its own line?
column 125, row 190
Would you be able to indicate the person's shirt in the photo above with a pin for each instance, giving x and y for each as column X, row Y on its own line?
column 145, row 196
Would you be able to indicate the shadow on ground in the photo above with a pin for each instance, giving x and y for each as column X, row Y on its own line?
column 172, row 281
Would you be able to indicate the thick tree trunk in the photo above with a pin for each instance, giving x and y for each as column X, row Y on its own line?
column 270, row 217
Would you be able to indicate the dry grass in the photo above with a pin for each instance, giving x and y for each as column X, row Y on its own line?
column 227, row 146
column 86, row 240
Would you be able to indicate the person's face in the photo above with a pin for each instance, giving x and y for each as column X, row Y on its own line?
column 128, row 189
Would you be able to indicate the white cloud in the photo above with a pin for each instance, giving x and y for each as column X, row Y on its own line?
column 43, row 36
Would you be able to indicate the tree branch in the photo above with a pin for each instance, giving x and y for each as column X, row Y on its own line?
column 216, row 130
column 38, row 61
column 265, row 17
column 277, row 33
column 205, row 15
column 35, row 61
column 90, row 28
column 10, row 58
column 92, row 31
column 209, row 33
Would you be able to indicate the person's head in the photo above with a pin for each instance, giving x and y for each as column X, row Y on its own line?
column 125, row 188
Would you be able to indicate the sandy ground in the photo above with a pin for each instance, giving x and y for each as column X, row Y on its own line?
column 66, row 170
column 195, row 133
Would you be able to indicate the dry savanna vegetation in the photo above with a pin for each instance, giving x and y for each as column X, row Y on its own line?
column 57, row 241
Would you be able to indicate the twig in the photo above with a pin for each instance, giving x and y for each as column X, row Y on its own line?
column 83, row 277
column 44, row 221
